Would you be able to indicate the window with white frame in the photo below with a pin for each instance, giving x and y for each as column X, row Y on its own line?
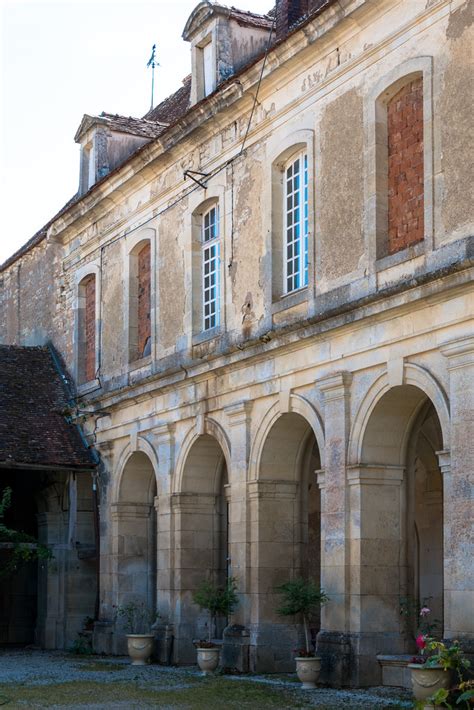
column 210, row 268
column 295, row 228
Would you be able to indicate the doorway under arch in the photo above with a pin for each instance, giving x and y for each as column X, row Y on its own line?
column 201, row 530
column 136, row 534
column 286, row 536
column 396, row 500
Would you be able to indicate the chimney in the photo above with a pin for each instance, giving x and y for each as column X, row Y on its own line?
column 288, row 13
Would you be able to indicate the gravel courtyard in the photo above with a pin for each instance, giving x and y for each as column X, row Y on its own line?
column 40, row 679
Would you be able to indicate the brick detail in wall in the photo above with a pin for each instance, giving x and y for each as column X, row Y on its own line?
column 144, row 298
column 288, row 12
column 405, row 167
column 89, row 328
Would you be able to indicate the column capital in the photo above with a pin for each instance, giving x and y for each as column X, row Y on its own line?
column 444, row 460
column 192, row 500
column 163, row 433
column 272, row 488
column 459, row 352
column 130, row 511
column 335, row 386
column 320, row 475
column 238, row 413
column 375, row 475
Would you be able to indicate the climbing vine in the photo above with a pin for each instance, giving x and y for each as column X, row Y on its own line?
column 21, row 548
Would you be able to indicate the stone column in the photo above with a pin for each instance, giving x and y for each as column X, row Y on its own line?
column 162, row 441
column 333, row 639
column 376, row 532
column 236, row 635
column 458, row 487
column 50, row 621
column 274, row 524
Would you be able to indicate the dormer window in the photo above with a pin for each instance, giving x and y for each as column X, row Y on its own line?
column 208, row 68
column 222, row 41
column 89, row 158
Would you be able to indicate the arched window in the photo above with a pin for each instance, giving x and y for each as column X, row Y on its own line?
column 87, row 329
column 210, row 240
column 295, row 223
column 291, row 223
column 140, row 301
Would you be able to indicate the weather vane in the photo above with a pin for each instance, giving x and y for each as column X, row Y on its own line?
column 152, row 63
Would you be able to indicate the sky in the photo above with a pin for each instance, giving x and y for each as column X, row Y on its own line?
column 61, row 59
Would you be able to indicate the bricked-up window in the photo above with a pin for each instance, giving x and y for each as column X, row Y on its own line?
column 210, row 268
column 140, row 301
column 144, row 300
column 405, row 167
column 87, row 329
column 296, row 223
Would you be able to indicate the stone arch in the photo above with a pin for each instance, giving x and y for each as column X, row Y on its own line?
column 134, row 530
column 200, row 528
column 396, row 504
column 143, row 446
column 286, row 521
column 413, row 375
column 210, row 428
column 297, row 405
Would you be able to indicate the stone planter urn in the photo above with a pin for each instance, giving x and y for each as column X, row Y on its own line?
column 428, row 680
column 140, row 647
column 307, row 670
column 208, row 659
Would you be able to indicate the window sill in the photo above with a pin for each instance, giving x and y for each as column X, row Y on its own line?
column 138, row 364
column 411, row 252
column 291, row 299
column 207, row 335
column 87, row 387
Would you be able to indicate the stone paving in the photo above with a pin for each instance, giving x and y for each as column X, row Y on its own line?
column 37, row 679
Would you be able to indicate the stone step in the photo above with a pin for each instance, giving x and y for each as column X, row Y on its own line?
column 395, row 671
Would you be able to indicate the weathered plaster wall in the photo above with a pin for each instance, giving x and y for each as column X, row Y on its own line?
column 171, row 282
column 453, row 110
column 339, row 199
column 114, row 343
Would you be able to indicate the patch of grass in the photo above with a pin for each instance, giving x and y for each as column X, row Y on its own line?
column 209, row 693
column 100, row 666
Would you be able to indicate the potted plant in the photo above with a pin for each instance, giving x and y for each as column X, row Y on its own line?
column 137, row 620
column 302, row 596
column 438, row 676
column 217, row 601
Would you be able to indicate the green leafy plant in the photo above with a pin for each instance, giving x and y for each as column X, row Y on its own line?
column 22, row 548
column 217, row 600
column 302, row 596
column 450, row 657
column 136, row 617
column 82, row 646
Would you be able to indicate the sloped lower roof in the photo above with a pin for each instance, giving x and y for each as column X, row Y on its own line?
column 33, row 429
column 174, row 106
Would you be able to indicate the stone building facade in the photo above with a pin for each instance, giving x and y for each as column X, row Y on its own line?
column 274, row 356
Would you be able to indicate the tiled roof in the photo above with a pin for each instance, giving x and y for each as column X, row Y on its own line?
column 135, row 126
column 33, row 429
column 174, row 106
column 250, row 19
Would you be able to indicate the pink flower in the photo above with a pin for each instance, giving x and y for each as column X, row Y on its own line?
column 425, row 611
column 421, row 641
